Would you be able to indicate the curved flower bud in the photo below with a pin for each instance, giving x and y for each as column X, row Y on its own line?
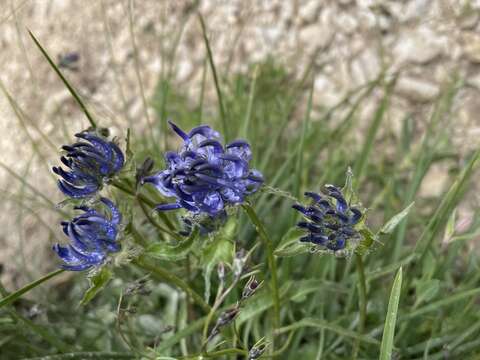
column 92, row 235
column 205, row 176
column 89, row 162
column 330, row 220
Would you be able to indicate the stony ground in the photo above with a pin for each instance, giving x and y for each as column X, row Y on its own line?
column 350, row 42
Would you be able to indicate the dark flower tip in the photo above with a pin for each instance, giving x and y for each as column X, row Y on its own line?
column 330, row 220
column 205, row 176
column 92, row 236
column 89, row 162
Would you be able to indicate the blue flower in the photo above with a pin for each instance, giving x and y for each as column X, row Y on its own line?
column 205, row 176
column 330, row 220
column 92, row 237
column 90, row 163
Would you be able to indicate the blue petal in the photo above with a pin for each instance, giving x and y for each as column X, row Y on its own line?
column 234, row 166
column 205, row 131
column 240, row 148
column 116, row 216
column 179, row 131
column 76, row 192
column 166, row 207
column 357, row 215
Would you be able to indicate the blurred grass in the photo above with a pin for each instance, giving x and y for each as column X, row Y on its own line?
column 298, row 146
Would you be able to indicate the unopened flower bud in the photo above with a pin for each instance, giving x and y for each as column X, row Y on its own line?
column 251, row 287
column 258, row 349
column 239, row 262
column 221, row 272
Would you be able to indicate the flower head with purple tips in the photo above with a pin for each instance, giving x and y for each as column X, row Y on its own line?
column 92, row 235
column 205, row 176
column 89, row 162
column 330, row 220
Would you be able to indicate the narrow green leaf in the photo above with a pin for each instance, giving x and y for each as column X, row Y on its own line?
column 97, row 284
column 446, row 207
column 391, row 319
column 67, row 84
column 322, row 324
column 223, row 114
column 17, row 294
column 362, row 160
column 251, row 98
column 441, row 303
column 395, row 220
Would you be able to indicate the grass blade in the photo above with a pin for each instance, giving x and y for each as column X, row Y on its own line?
column 446, row 207
column 321, row 324
column 389, row 330
column 17, row 294
column 67, row 84
column 361, row 162
column 223, row 114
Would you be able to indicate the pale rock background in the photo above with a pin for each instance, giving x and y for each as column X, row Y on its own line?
column 425, row 41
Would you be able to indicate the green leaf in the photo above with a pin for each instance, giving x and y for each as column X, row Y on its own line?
column 17, row 294
column 395, row 220
column 168, row 252
column 322, row 324
column 290, row 244
column 97, row 284
column 389, row 329
column 221, row 249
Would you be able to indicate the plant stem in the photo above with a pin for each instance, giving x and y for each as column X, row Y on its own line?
column 270, row 259
column 155, row 223
column 64, row 80
column 119, row 185
column 362, row 300
column 171, row 278
column 17, row 294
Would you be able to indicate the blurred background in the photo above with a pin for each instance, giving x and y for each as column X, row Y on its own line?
column 124, row 57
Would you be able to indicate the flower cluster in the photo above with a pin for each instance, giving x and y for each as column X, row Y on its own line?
column 205, row 176
column 92, row 237
column 90, row 163
column 330, row 220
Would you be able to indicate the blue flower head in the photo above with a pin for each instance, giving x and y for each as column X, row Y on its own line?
column 90, row 161
column 206, row 176
column 92, row 237
column 330, row 221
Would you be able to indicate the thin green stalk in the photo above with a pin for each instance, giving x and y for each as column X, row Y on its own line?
column 270, row 259
column 121, row 186
column 223, row 114
column 152, row 221
column 362, row 300
column 251, row 99
column 136, row 62
column 322, row 324
column 114, row 66
column 65, row 82
column 17, row 294
column 173, row 279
